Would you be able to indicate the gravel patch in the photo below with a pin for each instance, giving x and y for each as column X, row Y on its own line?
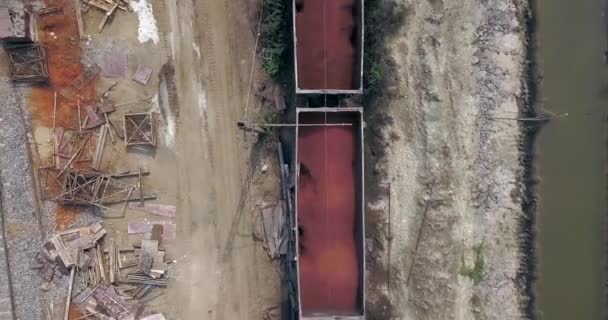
column 21, row 223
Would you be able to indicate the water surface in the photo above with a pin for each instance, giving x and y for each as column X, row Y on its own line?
column 571, row 156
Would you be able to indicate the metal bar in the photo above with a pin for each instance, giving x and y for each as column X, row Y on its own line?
column 241, row 123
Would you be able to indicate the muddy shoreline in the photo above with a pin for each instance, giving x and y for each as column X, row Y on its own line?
column 527, row 273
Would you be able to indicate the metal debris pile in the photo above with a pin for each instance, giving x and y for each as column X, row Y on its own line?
column 117, row 282
column 67, row 249
column 75, row 177
column 86, row 187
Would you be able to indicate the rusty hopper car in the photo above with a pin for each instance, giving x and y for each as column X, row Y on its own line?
column 329, row 204
column 328, row 46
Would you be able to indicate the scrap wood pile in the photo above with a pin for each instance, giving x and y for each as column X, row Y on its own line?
column 116, row 280
column 273, row 232
column 75, row 247
column 108, row 7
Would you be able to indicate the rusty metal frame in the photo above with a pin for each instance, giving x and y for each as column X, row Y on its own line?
column 140, row 129
column 28, row 63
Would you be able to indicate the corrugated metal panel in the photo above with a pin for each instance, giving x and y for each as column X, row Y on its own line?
column 5, row 23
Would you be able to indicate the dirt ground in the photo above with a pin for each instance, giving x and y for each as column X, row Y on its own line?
column 444, row 175
column 229, row 276
column 203, row 163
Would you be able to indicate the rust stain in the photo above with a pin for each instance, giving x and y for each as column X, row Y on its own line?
column 74, row 312
column 59, row 34
column 65, row 216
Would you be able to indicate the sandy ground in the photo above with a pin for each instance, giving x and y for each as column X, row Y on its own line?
column 444, row 175
column 228, row 275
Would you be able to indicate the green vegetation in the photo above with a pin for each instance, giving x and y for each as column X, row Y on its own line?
column 382, row 19
column 269, row 116
column 275, row 39
column 476, row 272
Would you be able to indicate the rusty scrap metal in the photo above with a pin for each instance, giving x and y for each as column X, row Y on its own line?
column 28, row 63
column 142, row 74
column 83, row 187
column 140, row 129
column 71, row 145
column 71, row 91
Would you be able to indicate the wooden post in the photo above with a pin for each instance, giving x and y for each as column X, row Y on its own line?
column 66, row 314
column 55, row 143
column 141, row 190
column 79, row 118
column 77, row 7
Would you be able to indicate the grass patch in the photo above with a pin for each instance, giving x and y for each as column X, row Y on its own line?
column 474, row 273
column 269, row 116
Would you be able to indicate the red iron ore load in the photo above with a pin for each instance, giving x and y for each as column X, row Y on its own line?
column 329, row 273
column 325, row 50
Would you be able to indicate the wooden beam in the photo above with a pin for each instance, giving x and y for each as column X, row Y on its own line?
column 77, row 7
column 68, row 300
column 106, row 17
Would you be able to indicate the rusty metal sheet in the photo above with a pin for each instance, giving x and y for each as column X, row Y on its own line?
column 142, row 74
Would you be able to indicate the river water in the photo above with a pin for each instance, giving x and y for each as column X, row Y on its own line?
column 570, row 159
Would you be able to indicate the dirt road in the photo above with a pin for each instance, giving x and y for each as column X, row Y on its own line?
column 226, row 275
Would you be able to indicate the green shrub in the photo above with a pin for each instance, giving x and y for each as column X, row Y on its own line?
column 275, row 39
column 474, row 273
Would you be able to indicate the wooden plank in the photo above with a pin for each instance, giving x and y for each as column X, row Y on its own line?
column 157, row 316
column 79, row 19
column 141, row 189
column 66, row 314
column 99, row 148
column 79, row 117
column 106, row 17
column 105, row 115
column 157, row 232
column 136, row 227
column 62, row 251
column 101, row 264
column 149, row 197
column 149, row 250
column 156, row 209
column 74, row 156
column 159, row 267
column 112, row 260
